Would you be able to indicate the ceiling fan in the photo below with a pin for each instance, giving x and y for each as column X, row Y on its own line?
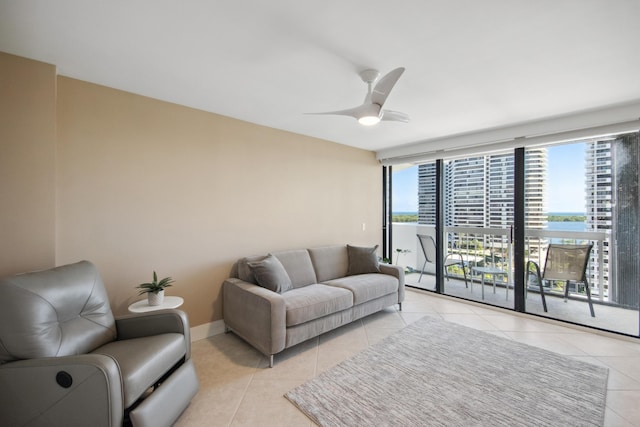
column 371, row 112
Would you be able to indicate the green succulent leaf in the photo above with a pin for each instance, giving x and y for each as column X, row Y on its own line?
column 155, row 286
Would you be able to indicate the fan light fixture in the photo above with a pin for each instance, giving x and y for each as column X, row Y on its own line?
column 369, row 114
column 369, row 120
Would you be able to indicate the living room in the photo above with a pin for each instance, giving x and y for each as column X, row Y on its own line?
column 137, row 183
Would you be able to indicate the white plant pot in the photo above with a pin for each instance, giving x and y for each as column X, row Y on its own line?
column 155, row 298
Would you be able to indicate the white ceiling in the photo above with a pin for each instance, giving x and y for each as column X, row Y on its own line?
column 470, row 65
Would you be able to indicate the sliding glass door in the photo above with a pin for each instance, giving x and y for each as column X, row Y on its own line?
column 570, row 194
column 592, row 198
column 477, row 217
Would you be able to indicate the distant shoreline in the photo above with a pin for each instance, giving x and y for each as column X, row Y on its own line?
column 551, row 216
column 548, row 213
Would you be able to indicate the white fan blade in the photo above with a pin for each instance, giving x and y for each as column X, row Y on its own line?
column 395, row 116
column 357, row 112
column 383, row 87
column 352, row 112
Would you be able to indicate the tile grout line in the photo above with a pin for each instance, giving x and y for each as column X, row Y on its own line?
column 244, row 393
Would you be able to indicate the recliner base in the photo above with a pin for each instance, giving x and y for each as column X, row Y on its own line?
column 168, row 400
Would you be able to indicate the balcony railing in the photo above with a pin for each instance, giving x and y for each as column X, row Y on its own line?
column 493, row 247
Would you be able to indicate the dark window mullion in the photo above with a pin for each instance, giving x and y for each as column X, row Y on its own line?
column 519, row 230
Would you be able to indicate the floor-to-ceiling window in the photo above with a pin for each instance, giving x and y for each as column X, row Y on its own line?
column 591, row 200
column 477, row 216
column 579, row 192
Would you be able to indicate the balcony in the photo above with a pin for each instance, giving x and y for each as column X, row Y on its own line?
column 491, row 247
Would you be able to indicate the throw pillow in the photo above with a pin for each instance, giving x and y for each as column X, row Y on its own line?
column 244, row 271
column 270, row 274
column 362, row 260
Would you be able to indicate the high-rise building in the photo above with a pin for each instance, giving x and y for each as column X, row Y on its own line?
column 499, row 194
column 612, row 206
column 479, row 191
column 535, row 187
column 427, row 196
column 624, row 289
column 599, row 184
column 465, row 194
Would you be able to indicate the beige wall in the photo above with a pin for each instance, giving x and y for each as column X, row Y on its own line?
column 27, row 164
column 145, row 185
column 135, row 185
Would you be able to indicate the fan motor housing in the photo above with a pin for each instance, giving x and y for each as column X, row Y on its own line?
column 369, row 76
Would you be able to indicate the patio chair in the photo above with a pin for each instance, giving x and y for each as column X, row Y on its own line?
column 567, row 263
column 428, row 246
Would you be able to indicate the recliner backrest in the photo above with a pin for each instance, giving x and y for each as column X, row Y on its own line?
column 58, row 312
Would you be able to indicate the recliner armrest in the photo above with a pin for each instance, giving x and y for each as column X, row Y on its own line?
column 154, row 323
column 35, row 392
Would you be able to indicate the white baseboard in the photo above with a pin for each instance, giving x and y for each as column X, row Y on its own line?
column 207, row 330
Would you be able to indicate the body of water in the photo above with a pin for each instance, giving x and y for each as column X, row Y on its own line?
column 552, row 225
column 567, row 213
column 567, row 226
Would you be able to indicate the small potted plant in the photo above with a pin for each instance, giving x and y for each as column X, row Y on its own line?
column 155, row 289
column 401, row 251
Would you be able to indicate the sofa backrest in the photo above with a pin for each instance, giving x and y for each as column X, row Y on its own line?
column 299, row 267
column 296, row 262
column 58, row 312
column 304, row 266
column 330, row 262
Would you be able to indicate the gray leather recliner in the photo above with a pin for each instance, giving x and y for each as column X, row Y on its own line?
column 66, row 361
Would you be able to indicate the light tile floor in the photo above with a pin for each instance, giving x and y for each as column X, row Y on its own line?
column 238, row 389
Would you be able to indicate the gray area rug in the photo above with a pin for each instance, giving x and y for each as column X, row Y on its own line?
column 436, row 373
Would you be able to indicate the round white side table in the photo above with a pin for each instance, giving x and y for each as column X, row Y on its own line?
column 143, row 306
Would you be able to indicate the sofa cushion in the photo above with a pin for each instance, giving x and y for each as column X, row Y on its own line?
column 366, row 287
column 244, row 271
column 362, row 260
column 143, row 361
column 299, row 267
column 315, row 301
column 330, row 262
column 270, row 273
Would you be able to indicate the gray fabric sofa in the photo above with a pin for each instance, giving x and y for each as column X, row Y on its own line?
column 323, row 288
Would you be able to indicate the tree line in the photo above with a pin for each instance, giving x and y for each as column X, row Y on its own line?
column 566, row 218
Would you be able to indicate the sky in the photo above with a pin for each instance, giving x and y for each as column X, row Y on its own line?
column 565, row 182
column 566, row 178
column 405, row 190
